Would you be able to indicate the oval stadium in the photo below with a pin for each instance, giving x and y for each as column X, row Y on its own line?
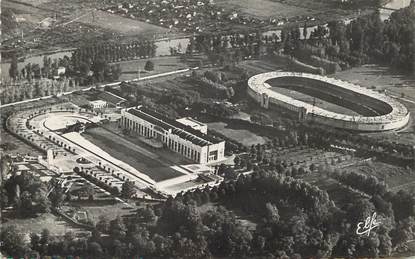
column 357, row 108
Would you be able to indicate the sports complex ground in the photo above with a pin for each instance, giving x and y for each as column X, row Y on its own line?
column 331, row 106
column 136, row 156
column 98, row 145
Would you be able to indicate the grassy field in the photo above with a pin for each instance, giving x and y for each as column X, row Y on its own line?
column 119, row 24
column 396, row 85
column 17, row 146
column 265, row 8
column 56, row 225
column 397, row 178
column 108, row 210
column 313, row 100
column 130, row 153
column 244, row 136
column 161, row 65
column 88, row 12
column 260, row 66
column 381, row 78
column 337, row 191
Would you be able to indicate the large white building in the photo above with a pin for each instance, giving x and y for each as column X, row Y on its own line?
column 177, row 136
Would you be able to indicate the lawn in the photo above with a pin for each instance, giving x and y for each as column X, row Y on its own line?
column 396, row 85
column 338, row 192
column 264, row 8
column 119, row 24
column 381, row 78
column 96, row 209
column 161, row 65
column 56, row 225
column 130, row 153
column 13, row 145
column 314, row 100
column 397, row 178
column 88, row 12
column 244, row 136
column 260, row 66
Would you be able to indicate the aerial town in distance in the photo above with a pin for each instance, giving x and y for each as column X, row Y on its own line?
column 207, row 129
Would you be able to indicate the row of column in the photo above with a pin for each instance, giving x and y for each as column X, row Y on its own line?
column 184, row 150
column 173, row 145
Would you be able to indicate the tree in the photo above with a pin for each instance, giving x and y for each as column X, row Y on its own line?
column 149, row 66
column 148, row 214
column 116, row 72
column 13, row 70
column 95, row 250
column 13, row 242
column 42, row 204
column 35, row 241
column 44, row 241
column 128, row 189
column 221, row 169
column 272, row 213
column 84, row 69
column 25, row 206
column 117, row 228
column 237, row 160
column 102, row 224
column 57, row 196
column 98, row 67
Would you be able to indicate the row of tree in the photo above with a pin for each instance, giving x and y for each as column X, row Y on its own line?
column 22, row 90
column 89, row 63
column 115, row 52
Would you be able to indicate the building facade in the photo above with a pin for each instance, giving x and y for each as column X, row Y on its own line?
column 98, row 104
column 174, row 135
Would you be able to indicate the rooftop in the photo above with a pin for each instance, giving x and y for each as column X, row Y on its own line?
column 111, row 98
column 98, row 102
column 190, row 122
column 177, row 128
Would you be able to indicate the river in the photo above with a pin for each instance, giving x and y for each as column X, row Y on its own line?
column 163, row 46
column 163, row 49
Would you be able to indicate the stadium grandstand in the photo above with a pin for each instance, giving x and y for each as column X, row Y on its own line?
column 377, row 112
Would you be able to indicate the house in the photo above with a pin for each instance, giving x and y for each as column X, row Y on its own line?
column 61, row 70
column 98, row 104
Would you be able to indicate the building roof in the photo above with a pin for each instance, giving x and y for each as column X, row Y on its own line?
column 190, row 122
column 98, row 102
column 111, row 98
column 177, row 128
